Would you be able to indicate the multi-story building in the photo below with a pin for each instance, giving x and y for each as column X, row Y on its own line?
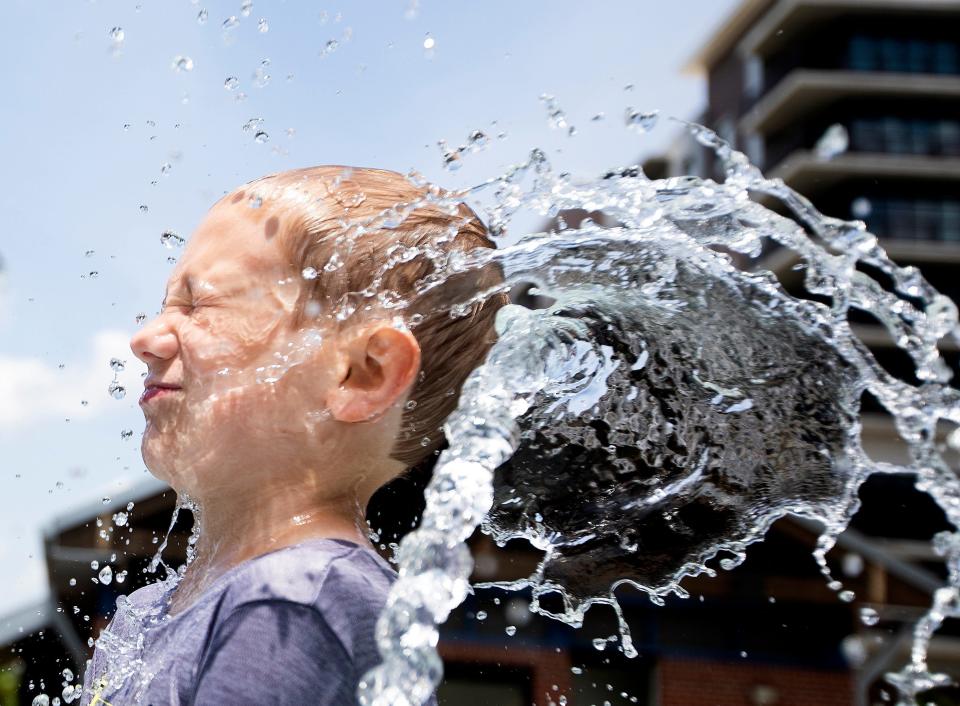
column 880, row 79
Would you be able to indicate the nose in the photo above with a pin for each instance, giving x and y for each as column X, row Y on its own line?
column 156, row 341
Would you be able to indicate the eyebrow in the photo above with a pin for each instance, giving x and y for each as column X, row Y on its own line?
column 188, row 282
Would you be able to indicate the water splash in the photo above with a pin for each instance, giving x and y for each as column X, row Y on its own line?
column 625, row 430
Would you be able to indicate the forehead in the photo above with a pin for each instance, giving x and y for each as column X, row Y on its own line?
column 233, row 238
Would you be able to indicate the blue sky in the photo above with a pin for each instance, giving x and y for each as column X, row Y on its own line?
column 75, row 177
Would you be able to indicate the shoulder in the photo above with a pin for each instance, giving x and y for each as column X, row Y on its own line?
column 308, row 573
column 343, row 585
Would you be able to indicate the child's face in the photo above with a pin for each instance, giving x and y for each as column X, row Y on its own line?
column 238, row 396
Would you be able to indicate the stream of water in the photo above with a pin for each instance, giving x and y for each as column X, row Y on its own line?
column 671, row 403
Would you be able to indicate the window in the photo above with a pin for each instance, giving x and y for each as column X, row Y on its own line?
column 906, row 219
column 910, row 55
column 906, row 136
column 752, row 76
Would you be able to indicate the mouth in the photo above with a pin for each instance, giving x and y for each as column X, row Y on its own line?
column 154, row 391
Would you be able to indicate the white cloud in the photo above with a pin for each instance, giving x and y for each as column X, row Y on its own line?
column 32, row 390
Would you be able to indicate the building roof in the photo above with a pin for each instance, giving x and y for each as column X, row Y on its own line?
column 89, row 510
column 25, row 621
column 722, row 39
column 790, row 14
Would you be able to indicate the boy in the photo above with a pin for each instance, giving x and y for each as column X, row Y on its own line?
column 294, row 369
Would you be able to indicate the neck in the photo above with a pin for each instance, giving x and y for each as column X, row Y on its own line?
column 236, row 527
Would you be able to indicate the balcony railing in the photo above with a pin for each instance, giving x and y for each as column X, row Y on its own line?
column 905, row 136
column 862, row 52
column 928, row 220
column 918, row 56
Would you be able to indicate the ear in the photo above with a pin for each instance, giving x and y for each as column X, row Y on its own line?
column 382, row 363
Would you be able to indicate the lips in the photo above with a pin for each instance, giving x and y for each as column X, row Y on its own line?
column 157, row 389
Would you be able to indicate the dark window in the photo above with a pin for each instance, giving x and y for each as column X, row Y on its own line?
column 911, row 219
column 903, row 55
column 906, row 136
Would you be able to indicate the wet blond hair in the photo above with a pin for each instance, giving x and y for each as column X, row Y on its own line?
column 364, row 232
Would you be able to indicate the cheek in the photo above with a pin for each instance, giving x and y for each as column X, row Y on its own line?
column 215, row 340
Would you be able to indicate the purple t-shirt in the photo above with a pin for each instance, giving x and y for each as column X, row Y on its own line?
column 295, row 626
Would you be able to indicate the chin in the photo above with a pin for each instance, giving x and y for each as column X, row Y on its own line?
column 159, row 458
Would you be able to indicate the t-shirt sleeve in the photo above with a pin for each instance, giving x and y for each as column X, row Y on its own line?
column 275, row 652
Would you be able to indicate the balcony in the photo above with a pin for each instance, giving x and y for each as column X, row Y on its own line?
column 804, row 92
column 808, row 173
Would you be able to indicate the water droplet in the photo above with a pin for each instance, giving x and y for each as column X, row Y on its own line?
column 231, row 22
column 126, row 434
column 94, row 564
column 202, row 16
column 105, row 575
column 67, row 674
column 846, row 596
column 309, row 273
column 117, row 35
column 105, row 500
column 117, row 365
column 261, row 137
column 262, row 26
column 411, row 404
column 868, row 616
column 122, row 576
column 40, row 700
column 600, row 643
column 73, row 582
column 576, row 670
column 834, row 141
column 511, row 630
column 165, row 168
column 93, row 274
column 116, row 390
column 598, row 117
column 171, row 240
column 88, row 253
column 329, row 47
column 246, row 7
column 260, row 77
column 144, row 208
column 478, row 140
column 182, row 64
column 140, row 318
column 556, row 118
column 481, row 615
column 120, row 519
column 334, row 263
column 429, row 42
column 252, row 124
column 861, row 207
column 743, row 654
column 451, row 157
column 425, row 441
column 639, row 121
column 84, row 403
column 231, row 83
